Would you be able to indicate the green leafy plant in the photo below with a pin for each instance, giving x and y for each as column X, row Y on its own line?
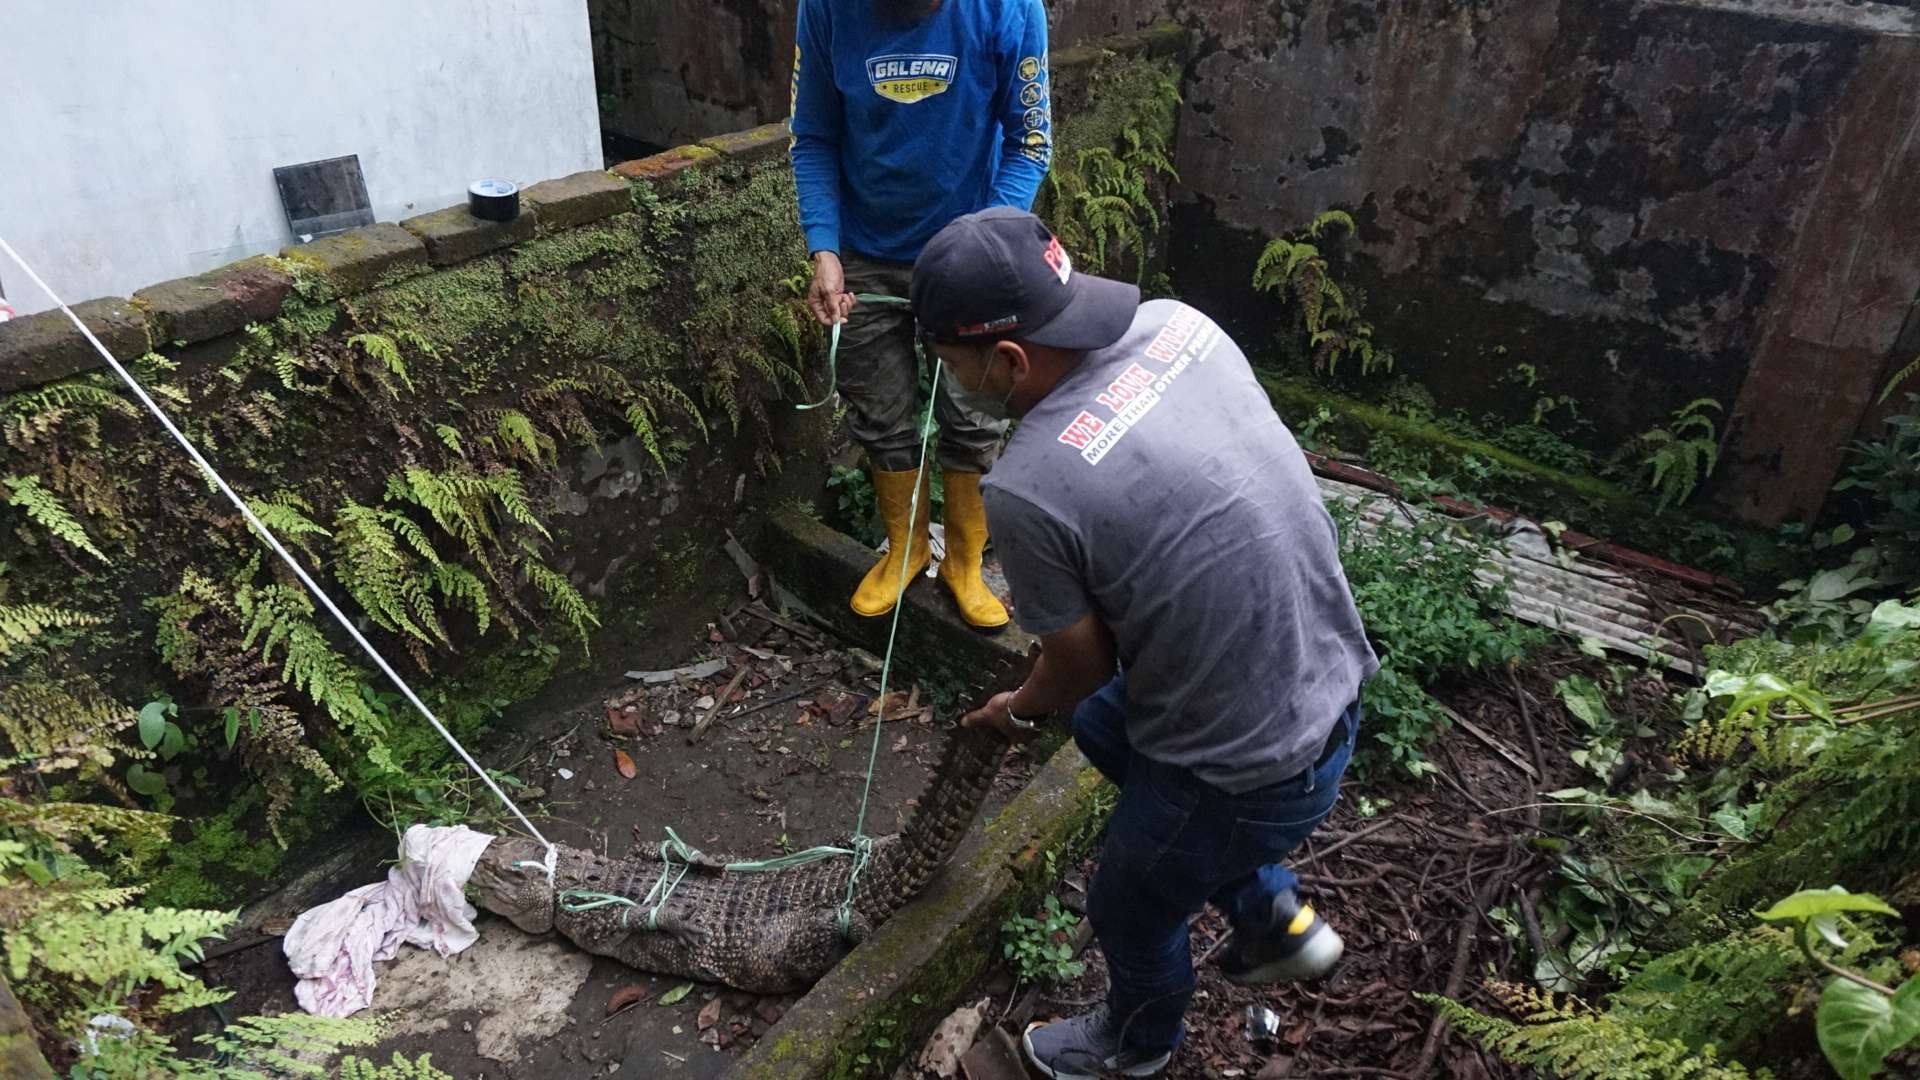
column 1297, row 269
column 1859, row 1020
column 1039, row 948
column 1420, row 594
column 399, row 1068
column 1564, row 1037
column 1105, row 198
column 1676, row 458
column 44, row 508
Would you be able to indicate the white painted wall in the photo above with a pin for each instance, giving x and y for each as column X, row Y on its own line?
column 138, row 138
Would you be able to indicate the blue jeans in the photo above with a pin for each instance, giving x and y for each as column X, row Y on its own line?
column 1175, row 844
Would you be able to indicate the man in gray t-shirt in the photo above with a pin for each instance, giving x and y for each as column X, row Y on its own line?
column 1164, row 538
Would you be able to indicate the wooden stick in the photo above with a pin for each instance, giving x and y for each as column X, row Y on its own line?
column 719, row 703
column 1494, row 744
column 761, row 611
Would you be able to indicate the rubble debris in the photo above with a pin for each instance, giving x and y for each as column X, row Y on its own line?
column 704, row 670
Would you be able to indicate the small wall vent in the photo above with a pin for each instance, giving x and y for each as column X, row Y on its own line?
column 324, row 197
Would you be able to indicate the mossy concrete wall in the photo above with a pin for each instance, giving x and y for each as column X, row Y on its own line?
column 615, row 367
column 662, row 283
column 1650, row 201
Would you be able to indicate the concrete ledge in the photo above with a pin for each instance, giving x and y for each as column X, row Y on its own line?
column 41, row 348
column 1160, row 39
column 357, row 260
column 823, row 566
column 453, row 235
column 201, row 308
column 662, row 167
column 888, row 994
column 578, row 199
column 19, row 1056
column 764, row 143
column 897, row 985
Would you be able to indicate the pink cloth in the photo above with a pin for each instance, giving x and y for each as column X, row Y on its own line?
column 332, row 948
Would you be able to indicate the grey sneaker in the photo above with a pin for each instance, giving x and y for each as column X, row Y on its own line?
column 1299, row 945
column 1086, row 1047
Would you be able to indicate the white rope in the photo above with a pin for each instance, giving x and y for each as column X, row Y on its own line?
column 300, row 572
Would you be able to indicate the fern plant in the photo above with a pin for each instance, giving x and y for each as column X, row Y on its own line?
column 1840, row 789
column 202, row 635
column 1676, row 458
column 398, row 1068
column 44, row 508
column 1564, row 1037
column 21, row 624
column 1104, row 198
column 1295, row 268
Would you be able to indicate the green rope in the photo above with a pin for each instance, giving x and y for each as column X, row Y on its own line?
column 676, row 857
column 833, row 346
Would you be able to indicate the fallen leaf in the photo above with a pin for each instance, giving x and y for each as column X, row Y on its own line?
column 676, row 995
column 896, row 704
column 626, row 721
column 709, row 1014
column 769, row 1010
column 625, row 764
column 626, row 997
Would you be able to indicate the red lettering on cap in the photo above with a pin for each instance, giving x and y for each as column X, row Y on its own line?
column 1057, row 258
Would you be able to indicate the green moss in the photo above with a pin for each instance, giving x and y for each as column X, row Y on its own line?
column 447, row 308
column 221, row 862
column 1121, row 93
column 1588, row 504
column 618, row 236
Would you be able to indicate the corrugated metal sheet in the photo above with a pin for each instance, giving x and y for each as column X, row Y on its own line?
column 1633, row 614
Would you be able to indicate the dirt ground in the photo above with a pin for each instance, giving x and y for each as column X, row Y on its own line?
column 1408, row 887
column 612, row 764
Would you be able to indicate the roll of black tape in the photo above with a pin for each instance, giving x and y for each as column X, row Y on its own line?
column 493, row 200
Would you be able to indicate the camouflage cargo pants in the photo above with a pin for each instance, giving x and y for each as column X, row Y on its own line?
column 879, row 382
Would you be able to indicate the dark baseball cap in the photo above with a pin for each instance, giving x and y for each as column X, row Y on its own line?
column 1000, row 274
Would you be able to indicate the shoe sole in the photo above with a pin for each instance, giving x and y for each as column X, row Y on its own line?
column 1317, row 956
column 1144, row 1069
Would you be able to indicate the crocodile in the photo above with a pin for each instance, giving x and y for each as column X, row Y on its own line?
column 765, row 932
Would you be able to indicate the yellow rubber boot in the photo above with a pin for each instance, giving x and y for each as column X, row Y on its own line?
column 966, row 544
column 880, row 589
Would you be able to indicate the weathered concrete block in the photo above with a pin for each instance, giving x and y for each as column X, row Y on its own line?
column 41, row 348
column 354, row 261
column 577, row 199
column 1159, row 40
column 823, row 567
column 914, row 969
column 453, row 235
column 221, row 301
column 19, row 1055
column 661, row 168
column 764, row 143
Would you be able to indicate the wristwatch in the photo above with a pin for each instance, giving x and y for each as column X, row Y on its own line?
column 1024, row 723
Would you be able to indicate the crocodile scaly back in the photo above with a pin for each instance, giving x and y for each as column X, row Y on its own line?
column 772, row 931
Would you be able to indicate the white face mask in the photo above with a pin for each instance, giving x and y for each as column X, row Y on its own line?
column 975, row 399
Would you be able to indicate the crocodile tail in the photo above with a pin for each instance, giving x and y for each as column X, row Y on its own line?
column 903, row 864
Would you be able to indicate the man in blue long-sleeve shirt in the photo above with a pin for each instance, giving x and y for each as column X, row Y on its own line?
column 906, row 115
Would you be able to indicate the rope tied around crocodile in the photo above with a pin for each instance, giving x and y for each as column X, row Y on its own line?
column 676, row 856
